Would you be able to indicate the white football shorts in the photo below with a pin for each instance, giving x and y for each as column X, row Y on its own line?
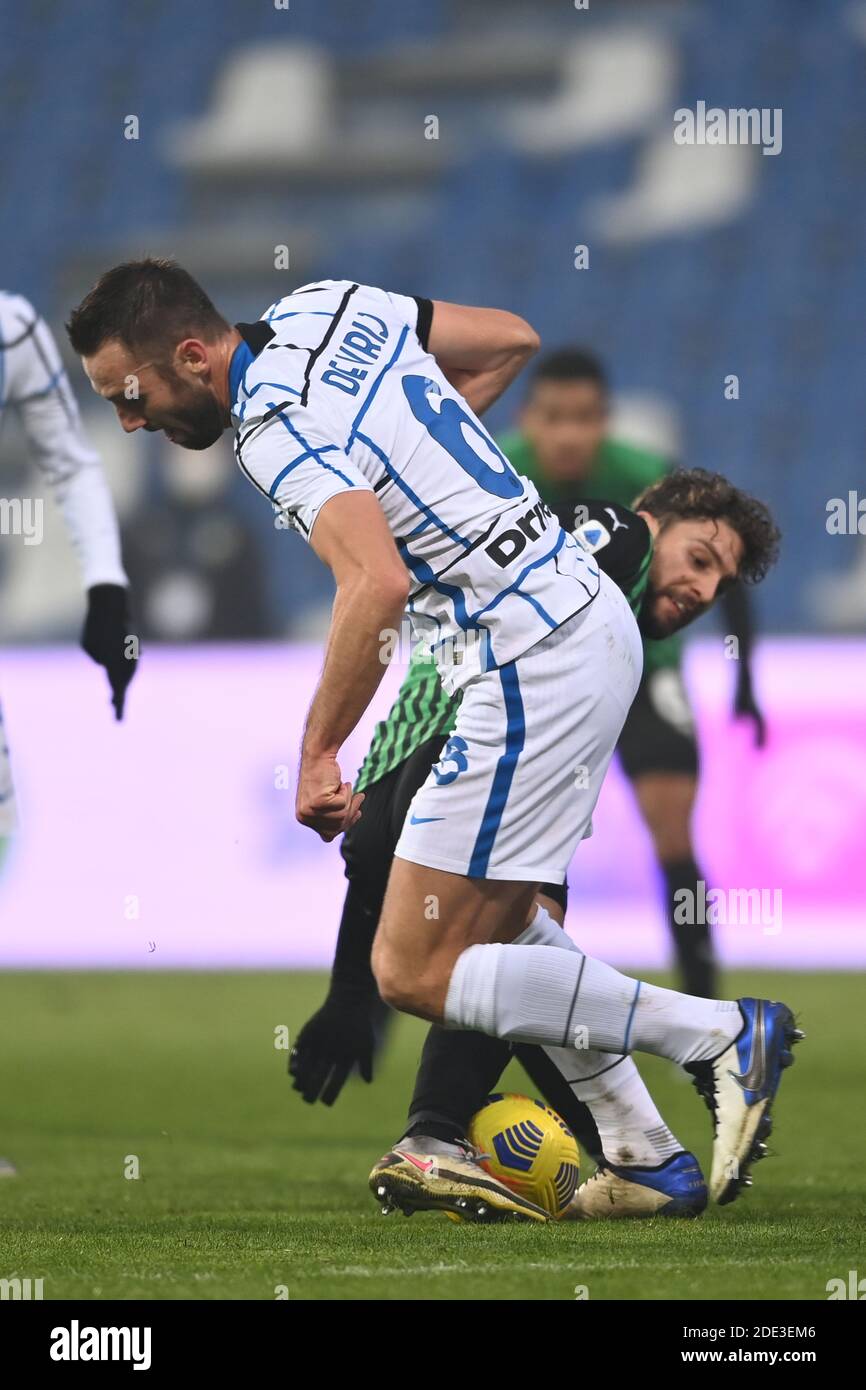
column 517, row 782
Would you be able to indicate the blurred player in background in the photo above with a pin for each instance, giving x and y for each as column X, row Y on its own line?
column 563, row 444
column 33, row 382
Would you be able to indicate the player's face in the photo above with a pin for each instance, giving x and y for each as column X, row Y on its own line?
column 565, row 422
column 693, row 562
column 176, row 398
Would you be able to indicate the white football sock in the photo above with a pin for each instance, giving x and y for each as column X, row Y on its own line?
column 631, row 1130
column 563, row 998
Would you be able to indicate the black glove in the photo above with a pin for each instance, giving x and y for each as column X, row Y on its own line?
column 106, row 638
column 338, row 1038
column 746, row 706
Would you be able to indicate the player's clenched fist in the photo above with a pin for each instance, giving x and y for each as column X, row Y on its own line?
column 325, row 802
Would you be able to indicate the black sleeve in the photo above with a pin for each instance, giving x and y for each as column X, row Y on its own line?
column 425, row 319
column 618, row 538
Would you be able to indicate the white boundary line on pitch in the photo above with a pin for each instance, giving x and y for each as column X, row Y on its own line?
column 397, row 1271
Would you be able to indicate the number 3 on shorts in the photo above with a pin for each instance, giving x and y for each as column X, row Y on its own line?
column 454, row 752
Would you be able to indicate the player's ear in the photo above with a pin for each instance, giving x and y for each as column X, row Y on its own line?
column 192, row 354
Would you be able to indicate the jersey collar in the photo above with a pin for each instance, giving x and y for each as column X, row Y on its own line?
column 255, row 337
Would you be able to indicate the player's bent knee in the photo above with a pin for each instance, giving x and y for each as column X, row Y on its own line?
column 404, row 986
column 393, row 980
column 408, row 996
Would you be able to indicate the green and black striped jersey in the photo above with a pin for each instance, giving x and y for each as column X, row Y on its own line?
column 420, row 711
column 622, row 544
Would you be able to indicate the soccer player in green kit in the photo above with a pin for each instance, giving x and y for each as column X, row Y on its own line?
column 641, row 1169
column 563, row 444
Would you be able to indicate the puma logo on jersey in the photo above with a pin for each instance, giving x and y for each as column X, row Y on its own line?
column 617, row 524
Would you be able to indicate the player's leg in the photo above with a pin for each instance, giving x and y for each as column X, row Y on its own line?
column 641, row 1168
column 666, row 800
column 659, row 754
column 602, row 1099
column 442, row 950
column 646, row 1170
column 459, row 1069
column 530, row 993
column 503, row 804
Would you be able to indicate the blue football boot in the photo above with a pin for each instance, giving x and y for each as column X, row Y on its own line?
column 673, row 1188
column 739, row 1087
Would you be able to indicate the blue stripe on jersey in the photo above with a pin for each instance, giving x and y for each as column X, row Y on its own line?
column 311, row 452
column 328, row 449
column 515, row 737
column 280, row 385
column 413, row 496
column 423, row 572
column 293, row 313
column 376, row 384
column 533, row 603
column 242, row 356
column 515, row 587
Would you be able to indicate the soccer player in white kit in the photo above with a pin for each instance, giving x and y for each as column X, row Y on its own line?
column 354, row 412
column 33, row 382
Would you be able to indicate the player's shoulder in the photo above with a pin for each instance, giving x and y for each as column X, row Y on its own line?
column 17, row 318
column 334, row 291
column 602, row 523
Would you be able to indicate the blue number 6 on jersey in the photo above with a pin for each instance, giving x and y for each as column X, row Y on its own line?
column 446, row 425
column 454, row 752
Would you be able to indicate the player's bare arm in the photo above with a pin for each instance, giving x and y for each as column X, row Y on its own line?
column 480, row 351
column 351, row 536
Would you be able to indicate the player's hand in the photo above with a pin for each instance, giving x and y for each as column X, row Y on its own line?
column 325, row 802
column 746, row 707
column 340, row 1037
column 106, row 635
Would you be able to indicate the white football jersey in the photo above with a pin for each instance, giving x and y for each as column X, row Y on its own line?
column 32, row 380
column 334, row 390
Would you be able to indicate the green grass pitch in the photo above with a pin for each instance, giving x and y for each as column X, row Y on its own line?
column 244, row 1190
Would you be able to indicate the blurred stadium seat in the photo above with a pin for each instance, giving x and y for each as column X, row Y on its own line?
column 552, row 132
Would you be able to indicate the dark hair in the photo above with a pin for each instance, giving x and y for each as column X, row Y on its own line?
column 150, row 303
column 569, row 364
column 695, row 492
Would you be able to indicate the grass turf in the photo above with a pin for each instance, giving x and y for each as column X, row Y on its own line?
column 243, row 1189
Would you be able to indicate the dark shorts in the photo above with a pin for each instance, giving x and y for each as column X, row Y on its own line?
column 659, row 731
column 368, row 847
